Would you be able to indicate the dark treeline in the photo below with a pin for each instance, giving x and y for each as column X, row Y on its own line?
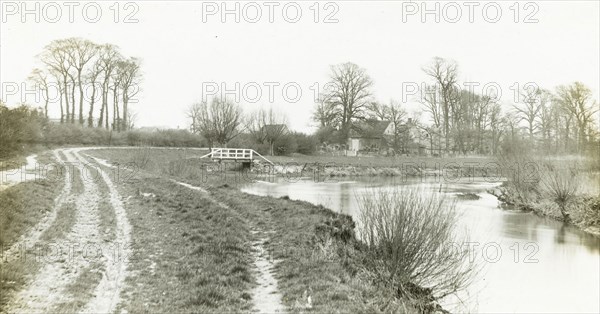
column 24, row 126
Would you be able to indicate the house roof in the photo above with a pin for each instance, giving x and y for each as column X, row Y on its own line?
column 369, row 129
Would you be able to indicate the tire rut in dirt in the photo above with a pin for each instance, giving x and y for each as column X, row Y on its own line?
column 47, row 288
column 107, row 293
column 32, row 238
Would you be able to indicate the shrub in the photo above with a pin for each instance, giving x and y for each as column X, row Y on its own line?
column 285, row 145
column 18, row 126
column 412, row 244
column 591, row 212
column 306, row 144
column 522, row 178
column 561, row 185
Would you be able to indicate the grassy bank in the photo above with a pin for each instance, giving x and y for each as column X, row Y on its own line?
column 563, row 190
column 180, row 234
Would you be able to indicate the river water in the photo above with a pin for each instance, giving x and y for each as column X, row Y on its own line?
column 529, row 263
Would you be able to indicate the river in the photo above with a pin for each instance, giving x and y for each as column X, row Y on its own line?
column 530, row 263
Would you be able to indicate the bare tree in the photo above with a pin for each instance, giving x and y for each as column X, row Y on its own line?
column 116, row 83
column 218, row 121
column 432, row 104
column 92, row 77
column 109, row 57
column 378, row 111
column 529, row 110
column 193, row 112
column 131, row 119
column 546, row 115
column 55, row 57
column 445, row 75
column 129, row 72
column 350, row 91
column 576, row 99
column 496, row 126
column 267, row 126
column 326, row 113
column 81, row 51
column 41, row 80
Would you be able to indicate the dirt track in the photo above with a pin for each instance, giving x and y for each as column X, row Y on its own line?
column 91, row 270
column 78, row 254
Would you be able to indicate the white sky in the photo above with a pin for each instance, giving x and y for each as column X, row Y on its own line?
column 179, row 51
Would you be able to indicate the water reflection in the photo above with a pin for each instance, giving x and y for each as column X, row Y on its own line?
column 543, row 266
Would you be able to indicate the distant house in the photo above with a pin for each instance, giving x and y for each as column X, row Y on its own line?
column 370, row 135
column 413, row 140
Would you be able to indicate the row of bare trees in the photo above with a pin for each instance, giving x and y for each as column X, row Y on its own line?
column 78, row 75
column 471, row 122
column 221, row 120
column 462, row 120
column 562, row 120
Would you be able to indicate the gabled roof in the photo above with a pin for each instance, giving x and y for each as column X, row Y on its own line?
column 369, row 129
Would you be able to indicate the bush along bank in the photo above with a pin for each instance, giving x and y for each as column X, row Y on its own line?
column 556, row 193
column 320, row 263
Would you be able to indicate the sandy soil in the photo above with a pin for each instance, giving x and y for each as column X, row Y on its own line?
column 47, row 287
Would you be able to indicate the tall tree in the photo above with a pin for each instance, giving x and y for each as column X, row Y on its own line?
column 81, row 51
column 109, row 58
column 55, row 57
column 41, row 80
column 445, row 75
column 129, row 73
column 350, row 91
column 576, row 99
column 529, row 110
column 326, row 113
column 92, row 77
column 218, row 121
column 267, row 126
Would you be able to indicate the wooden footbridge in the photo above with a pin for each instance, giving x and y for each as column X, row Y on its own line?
column 243, row 155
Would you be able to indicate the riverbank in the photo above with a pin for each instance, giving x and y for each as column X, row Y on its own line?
column 584, row 210
column 317, row 262
column 340, row 166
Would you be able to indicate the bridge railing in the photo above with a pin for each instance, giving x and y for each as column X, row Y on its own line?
column 234, row 154
column 231, row 153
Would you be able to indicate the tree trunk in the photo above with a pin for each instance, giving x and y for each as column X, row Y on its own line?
column 80, row 98
column 73, row 103
column 91, row 113
column 46, row 104
column 125, row 101
column 66, row 92
column 60, row 102
column 100, row 120
column 116, row 118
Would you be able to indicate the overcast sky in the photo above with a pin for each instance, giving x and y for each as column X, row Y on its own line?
column 180, row 52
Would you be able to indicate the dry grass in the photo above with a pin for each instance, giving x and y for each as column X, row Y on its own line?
column 190, row 255
column 311, row 258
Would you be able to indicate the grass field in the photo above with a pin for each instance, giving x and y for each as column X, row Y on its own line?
column 315, row 271
column 194, row 237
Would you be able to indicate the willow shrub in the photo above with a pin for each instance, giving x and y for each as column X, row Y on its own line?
column 412, row 243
